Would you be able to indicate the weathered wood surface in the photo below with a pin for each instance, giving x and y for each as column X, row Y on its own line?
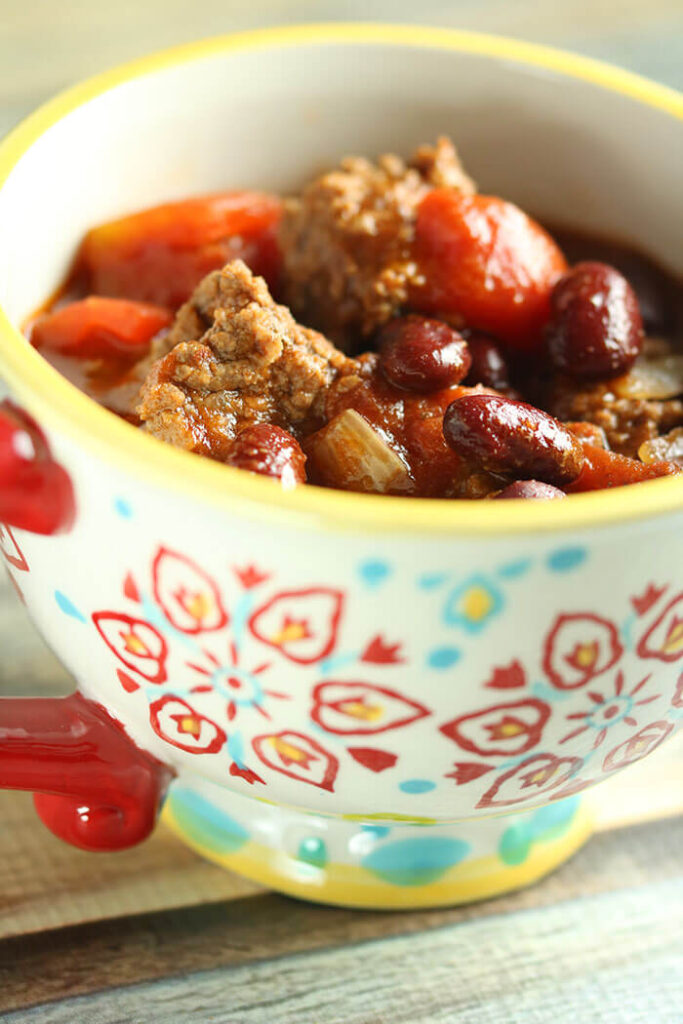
column 617, row 906
column 598, row 943
column 45, row 884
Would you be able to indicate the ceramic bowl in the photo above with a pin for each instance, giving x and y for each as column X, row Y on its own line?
column 363, row 700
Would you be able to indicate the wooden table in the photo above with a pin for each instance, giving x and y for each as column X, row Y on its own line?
column 157, row 935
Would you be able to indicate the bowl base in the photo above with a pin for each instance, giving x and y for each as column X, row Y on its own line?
column 370, row 863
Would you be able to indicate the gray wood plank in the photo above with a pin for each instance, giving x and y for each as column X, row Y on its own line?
column 609, row 959
column 214, row 944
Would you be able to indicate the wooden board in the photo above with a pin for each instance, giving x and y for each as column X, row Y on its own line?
column 45, row 884
column 588, row 937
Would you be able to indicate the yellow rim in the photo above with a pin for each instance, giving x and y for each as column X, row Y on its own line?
column 351, row 886
column 60, row 404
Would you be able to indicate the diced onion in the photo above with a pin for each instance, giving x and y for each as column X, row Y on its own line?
column 655, row 379
column 350, row 454
column 668, row 448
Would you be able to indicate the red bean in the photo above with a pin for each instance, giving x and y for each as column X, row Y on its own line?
column 533, row 490
column 596, row 329
column 270, row 451
column 504, row 436
column 489, row 366
column 422, row 354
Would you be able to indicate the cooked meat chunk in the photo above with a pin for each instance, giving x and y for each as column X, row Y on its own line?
column 627, row 422
column 346, row 242
column 640, row 406
column 234, row 357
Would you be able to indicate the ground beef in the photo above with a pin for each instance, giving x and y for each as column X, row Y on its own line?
column 234, row 357
column 347, row 240
column 626, row 420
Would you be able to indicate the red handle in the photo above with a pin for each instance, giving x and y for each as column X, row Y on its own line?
column 36, row 493
column 93, row 787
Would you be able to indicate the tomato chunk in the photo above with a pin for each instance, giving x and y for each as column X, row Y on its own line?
column 96, row 326
column 603, row 468
column 159, row 255
column 484, row 259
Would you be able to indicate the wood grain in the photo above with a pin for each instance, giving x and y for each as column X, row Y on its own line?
column 45, row 884
column 603, row 934
column 546, row 966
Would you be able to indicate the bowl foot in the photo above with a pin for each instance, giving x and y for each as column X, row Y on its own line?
column 372, row 863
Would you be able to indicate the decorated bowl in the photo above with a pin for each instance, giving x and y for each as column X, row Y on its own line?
column 363, row 700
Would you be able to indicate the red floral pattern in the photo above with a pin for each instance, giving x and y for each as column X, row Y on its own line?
column 677, row 699
column 297, row 756
column 378, row 652
column 504, row 730
column 130, row 685
column 605, row 708
column 362, row 709
column 138, row 644
column 643, row 602
column 534, row 777
column 245, row 773
column 632, row 749
column 301, row 624
column 176, row 722
column 250, row 576
column 372, row 759
column 507, row 677
column 188, row 596
column 579, row 647
column 664, row 638
column 11, row 550
column 225, row 667
column 468, row 771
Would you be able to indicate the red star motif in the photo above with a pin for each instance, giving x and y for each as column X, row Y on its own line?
column 645, row 601
column 250, row 576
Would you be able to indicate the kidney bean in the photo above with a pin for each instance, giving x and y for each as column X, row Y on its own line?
column 596, row 329
column 534, row 490
column 270, row 451
column 512, row 438
column 422, row 354
column 489, row 365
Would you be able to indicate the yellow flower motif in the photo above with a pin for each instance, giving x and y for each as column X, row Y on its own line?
column 472, row 604
column 476, row 604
